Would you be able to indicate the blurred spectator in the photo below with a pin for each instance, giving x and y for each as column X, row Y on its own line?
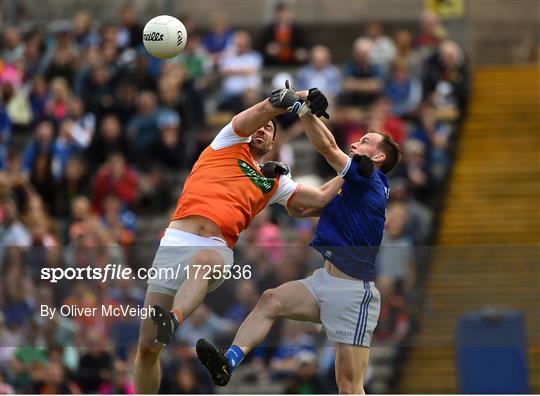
column 62, row 64
column 241, row 71
column 82, row 30
column 394, row 320
column 84, row 123
column 282, row 41
column 197, row 80
column 383, row 49
column 381, row 118
column 143, row 130
column 117, row 178
column 414, row 168
column 403, row 90
column 446, row 80
column 432, row 32
column 56, row 106
column 119, row 221
column 419, row 216
column 361, row 78
column 169, row 150
column 246, row 297
column 219, row 38
column 5, row 136
column 292, row 344
column 12, row 44
column 203, row 323
column 129, row 32
column 185, row 381
column 320, row 73
column 96, row 364
column 97, row 89
column 395, row 261
column 435, row 134
column 120, row 383
column 14, row 233
column 306, row 379
column 108, row 140
column 54, row 382
column 65, row 146
column 404, row 50
column 39, row 96
column 75, row 182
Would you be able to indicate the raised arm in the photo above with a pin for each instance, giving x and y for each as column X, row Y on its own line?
column 257, row 116
column 323, row 141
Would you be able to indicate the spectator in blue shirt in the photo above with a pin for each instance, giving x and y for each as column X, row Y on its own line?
column 403, row 90
column 361, row 78
column 320, row 73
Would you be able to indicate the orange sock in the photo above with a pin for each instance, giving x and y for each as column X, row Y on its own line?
column 179, row 315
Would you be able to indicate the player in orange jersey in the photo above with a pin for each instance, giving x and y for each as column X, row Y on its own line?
column 224, row 191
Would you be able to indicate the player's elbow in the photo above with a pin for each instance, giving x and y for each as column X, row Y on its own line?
column 321, row 199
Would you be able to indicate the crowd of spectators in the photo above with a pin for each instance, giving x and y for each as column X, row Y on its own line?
column 96, row 137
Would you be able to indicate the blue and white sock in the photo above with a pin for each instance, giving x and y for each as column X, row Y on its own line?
column 234, row 356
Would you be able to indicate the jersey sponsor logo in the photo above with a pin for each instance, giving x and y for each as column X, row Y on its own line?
column 153, row 36
column 263, row 183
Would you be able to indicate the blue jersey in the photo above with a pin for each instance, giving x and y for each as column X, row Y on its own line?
column 351, row 226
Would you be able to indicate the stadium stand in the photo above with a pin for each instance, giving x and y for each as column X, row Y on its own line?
column 489, row 232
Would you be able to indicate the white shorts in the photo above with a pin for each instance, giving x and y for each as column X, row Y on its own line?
column 175, row 252
column 349, row 308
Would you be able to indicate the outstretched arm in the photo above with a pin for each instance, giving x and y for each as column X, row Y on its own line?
column 309, row 197
column 309, row 200
column 323, row 141
column 257, row 116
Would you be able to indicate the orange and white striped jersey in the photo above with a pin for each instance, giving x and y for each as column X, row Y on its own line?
column 226, row 186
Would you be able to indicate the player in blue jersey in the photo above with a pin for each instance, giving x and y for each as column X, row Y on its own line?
column 342, row 295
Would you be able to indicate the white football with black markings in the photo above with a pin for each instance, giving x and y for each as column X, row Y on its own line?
column 164, row 36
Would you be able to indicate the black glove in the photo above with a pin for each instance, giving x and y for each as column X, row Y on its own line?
column 286, row 98
column 274, row 169
column 317, row 103
column 365, row 165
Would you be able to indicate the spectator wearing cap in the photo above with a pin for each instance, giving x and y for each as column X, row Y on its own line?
column 362, row 79
column 169, row 148
column 282, row 41
column 320, row 73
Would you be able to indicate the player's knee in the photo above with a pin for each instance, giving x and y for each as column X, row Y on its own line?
column 271, row 303
column 146, row 351
column 147, row 348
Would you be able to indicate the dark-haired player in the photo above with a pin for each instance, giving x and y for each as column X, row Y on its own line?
column 342, row 295
column 224, row 191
